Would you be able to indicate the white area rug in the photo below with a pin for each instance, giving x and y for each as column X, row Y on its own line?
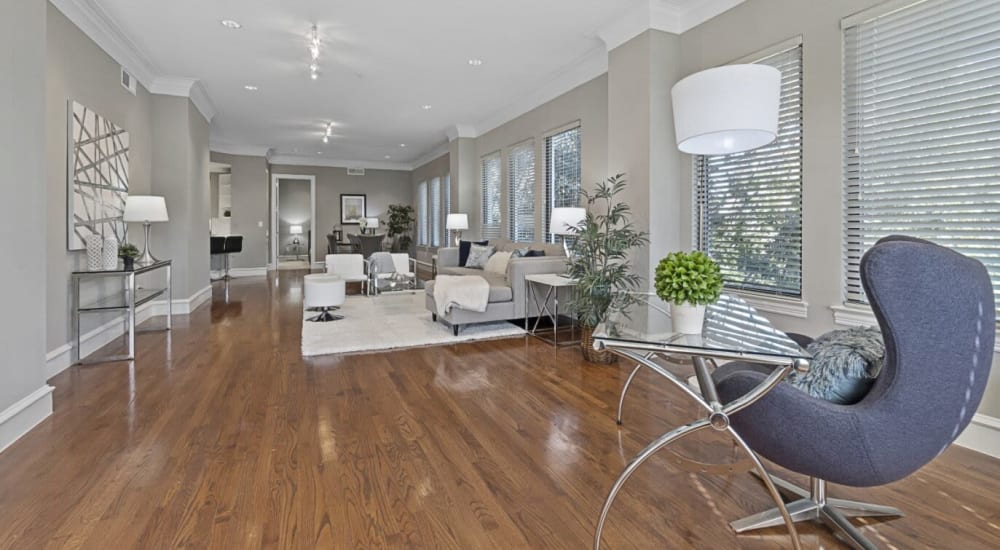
column 390, row 321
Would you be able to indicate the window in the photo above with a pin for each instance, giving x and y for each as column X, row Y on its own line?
column 422, row 213
column 435, row 212
column 562, row 173
column 490, row 226
column 922, row 131
column 521, row 193
column 748, row 212
column 447, row 195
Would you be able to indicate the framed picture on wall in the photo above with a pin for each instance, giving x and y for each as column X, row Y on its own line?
column 352, row 208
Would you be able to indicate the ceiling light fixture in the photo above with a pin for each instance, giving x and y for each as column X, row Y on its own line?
column 402, row 145
column 387, row 157
column 328, row 132
column 426, row 107
column 230, row 24
column 326, row 139
column 250, row 88
column 314, row 44
column 475, row 62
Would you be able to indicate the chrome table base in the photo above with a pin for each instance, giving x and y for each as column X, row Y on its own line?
column 815, row 505
column 717, row 418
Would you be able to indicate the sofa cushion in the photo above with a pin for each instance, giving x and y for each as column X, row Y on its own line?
column 463, row 250
column 498, row 263
column 478, row 256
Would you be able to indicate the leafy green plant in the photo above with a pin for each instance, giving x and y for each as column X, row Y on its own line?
column 600, row 263
column 400, row 225
column 128, row 250
column 688, row 277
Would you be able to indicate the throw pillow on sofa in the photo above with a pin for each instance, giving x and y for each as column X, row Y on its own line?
column 478, row 256
column 463, row 250
column 498, row 263
column 534, row 254
column 844, row 366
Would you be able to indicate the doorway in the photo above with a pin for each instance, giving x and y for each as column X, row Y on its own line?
column 293, row 221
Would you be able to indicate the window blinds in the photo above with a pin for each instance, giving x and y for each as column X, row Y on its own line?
column 521, row 193
column 447, row 195
column 922, row 131
column 422, row 213
column 562, row 173
column 435, row 212
column 490, row 173
column 748, row 214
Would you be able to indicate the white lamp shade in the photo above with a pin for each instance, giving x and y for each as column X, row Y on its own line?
column 145, row 208
column 564, row 218
column 295, row 229
column 371, row 222
column 457, row 222
column 727, row 109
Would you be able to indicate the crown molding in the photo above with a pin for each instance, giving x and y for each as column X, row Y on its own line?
column 228, row 148
column 585, row 69
column 90, row 18
column 190, row 88
column 673, row 16
column 294, row 160
column 457, row 131
column 431, row 155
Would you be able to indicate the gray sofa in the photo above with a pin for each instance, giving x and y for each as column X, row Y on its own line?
column 507, row 292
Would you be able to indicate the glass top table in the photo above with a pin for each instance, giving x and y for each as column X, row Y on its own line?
column 733, row 330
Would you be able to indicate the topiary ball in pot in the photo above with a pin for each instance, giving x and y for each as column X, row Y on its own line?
column 688, row 281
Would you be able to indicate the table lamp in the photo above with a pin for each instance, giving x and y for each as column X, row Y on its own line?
column 565, row 221
column 295, row 230
column 145, row 209
column 457, row 223
column 371, row 223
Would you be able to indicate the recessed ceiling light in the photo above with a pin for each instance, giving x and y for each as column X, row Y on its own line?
column 426, row 107
column 402, row 145
column 319, row 152
column 230, row 24
column 387, row 157
column 475, row 62
column 326, row 139
column 250, row 88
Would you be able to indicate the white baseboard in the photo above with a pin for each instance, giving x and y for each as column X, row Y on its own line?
column 24, row 415
column 982, row 435
column 61, row 357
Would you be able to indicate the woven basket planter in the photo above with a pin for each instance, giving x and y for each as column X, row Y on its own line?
column 603, row 357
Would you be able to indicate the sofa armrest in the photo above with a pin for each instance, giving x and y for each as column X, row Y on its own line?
column 519, row 267
column 447, row 257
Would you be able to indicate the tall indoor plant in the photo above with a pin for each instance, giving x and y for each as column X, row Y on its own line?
column 400, row 225
column 600, row 263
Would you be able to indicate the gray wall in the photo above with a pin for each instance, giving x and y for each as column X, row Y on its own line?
column 382, row 187
column 77, row 69
column 588, row 104
column 294, row 208
column 22, row 152
column 251, row 207
column 754, row 26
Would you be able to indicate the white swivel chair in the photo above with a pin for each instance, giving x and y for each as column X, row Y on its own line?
column 349, row 267
column 402, row 267
column 324, row 293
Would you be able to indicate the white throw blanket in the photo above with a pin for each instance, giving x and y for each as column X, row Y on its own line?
column 468, row 292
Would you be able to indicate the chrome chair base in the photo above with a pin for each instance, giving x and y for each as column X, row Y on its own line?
column 325, row 317
column 814, row 505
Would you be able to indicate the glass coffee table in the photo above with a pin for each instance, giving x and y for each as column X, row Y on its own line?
column 733, row 330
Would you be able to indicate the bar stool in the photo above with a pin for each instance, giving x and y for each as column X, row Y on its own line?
column 324, row 293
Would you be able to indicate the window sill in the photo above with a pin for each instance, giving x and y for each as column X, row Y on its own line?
column 852, row 315
column 792, row 307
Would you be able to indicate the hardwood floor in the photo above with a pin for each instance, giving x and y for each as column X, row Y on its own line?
column 221, row 436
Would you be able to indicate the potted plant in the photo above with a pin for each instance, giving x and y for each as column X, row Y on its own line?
column 128, row 253
column 600, row 263
column 688, row 281
column 400, row 225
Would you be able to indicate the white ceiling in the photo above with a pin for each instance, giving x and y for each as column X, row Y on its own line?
column 380, row 62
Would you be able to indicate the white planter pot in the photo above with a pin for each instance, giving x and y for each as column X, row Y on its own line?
column 95, row 253
column 687, row 319
column 110, row 254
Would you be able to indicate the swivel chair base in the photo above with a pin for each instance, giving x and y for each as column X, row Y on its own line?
column 814, row 505
column 325, row 316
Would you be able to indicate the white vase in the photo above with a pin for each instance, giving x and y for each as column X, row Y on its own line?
column 95, row 253
column 110, row 254
column 687, row 319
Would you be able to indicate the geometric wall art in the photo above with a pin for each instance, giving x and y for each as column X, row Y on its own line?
column 97, row 177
